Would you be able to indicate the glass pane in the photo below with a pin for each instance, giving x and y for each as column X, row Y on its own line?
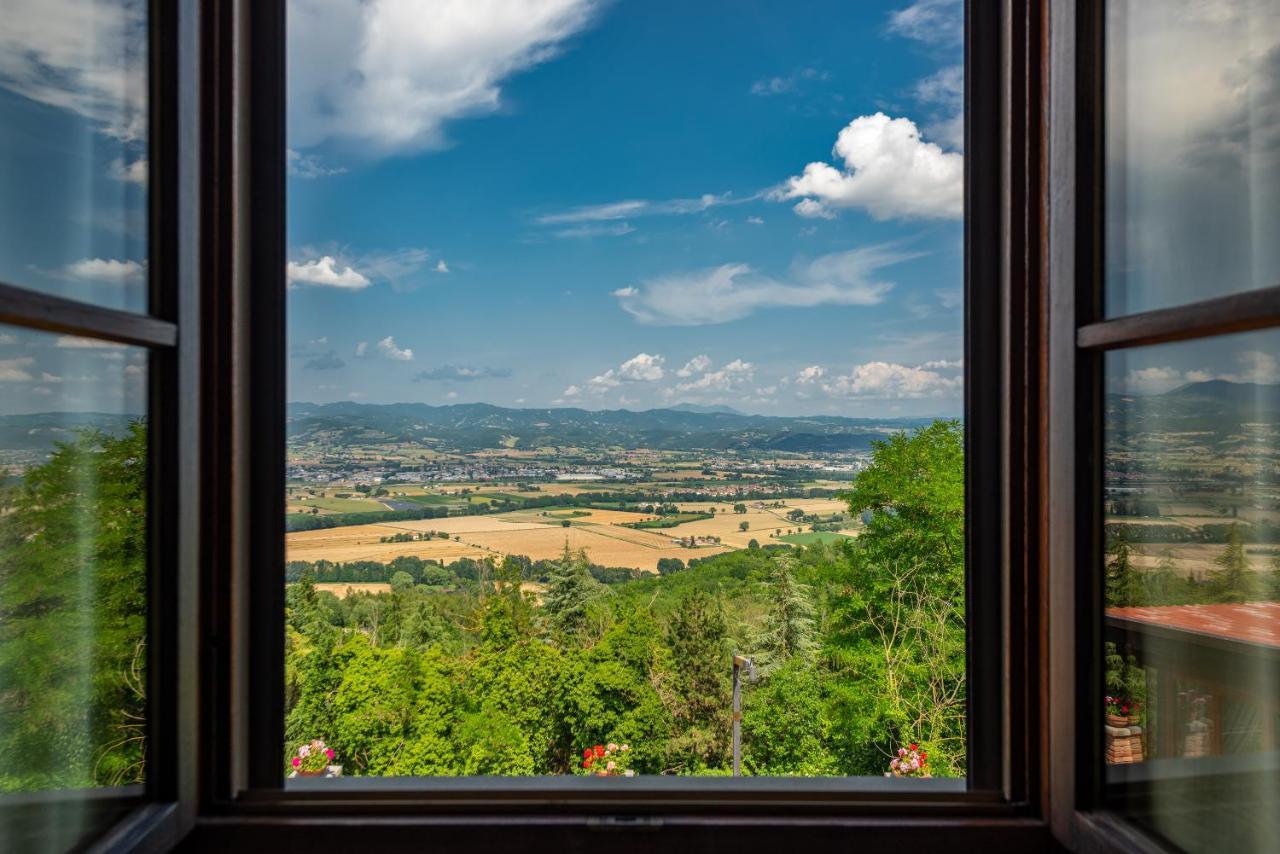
column 73, row 149
column 596, row 311
column 1192, row 575
column 1192, row 150
column 73, row 551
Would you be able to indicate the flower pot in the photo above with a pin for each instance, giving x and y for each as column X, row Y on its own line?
column 1117, row 721
column 1133, row 720
column 319, row 773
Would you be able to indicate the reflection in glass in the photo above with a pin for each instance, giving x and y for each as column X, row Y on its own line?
column 1192, row 150
column 73, row 149
column 1192, row 589
column 72, row 577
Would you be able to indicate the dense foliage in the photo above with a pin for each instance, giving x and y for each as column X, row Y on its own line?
column 73, row 617
column 465, row 670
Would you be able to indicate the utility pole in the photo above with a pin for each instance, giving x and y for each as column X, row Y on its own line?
column 740, row 662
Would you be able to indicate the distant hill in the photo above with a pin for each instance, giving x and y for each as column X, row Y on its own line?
column 39, row 431
column 1218, row 407
column 475, row 426
column 704, row 410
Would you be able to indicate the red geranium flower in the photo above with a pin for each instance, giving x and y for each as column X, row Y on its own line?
column 588, row 753
column 599, row 750
column 586, row 763
column 914, row 746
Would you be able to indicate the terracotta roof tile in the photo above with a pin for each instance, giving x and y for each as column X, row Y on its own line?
column 1251, row 622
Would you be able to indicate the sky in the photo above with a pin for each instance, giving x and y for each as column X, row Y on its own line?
column 617, row 204
column 613, row 203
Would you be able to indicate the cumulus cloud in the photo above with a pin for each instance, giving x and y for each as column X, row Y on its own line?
column 387, row 346
column 729, row 378
column 787, row 84
column 695, row 365
column 309, row 166
column 890, row 380
column 734, row 291
column 1256, row 366
column 810, row 375
column 388, row 75
column 75, row 342
column 640, row 368
column 888, row 171
column 361, row 349
column 16, row 370
column 460, row 373
column 87, row 58
column 930, row 21
column 1154, row 380
column 441, row 266
column 105, row 270
column 323, row 272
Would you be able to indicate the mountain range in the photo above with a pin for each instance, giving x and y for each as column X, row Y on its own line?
column 475, row 426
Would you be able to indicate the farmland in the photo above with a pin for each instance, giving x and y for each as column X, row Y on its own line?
column 543, row 534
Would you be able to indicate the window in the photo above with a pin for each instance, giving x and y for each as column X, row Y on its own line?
column 1185, row 582
column 87, row 348
column 591, row 334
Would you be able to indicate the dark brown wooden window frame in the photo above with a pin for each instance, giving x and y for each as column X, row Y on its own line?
column 157, row 813
column 1078, row 337
column 244, row 393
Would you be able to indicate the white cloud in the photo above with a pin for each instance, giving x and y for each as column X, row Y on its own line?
column 323, row 272
column 695, row 365
column 309, row 166
column 129, row 173
column 640, row 368
column 617, row 230
column 105, row 270
column 7, row 339
column 945, row 88
column 387, row 75
column 734, row 291
column 42, row 391
column 930, row 21
column 810, row 375
column 640, row 207
column 441, row 266
column 893, row 381
column 787, row 84
column 361, row 349
column 755, row 220
column 15, row 370
column 889, row 171
column 46, row 377
column 729, row 378
column 87, row 58
column 75, row 342
column 387, row 346
column 393, row 266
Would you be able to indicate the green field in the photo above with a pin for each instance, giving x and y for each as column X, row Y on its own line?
column 339, row 505
column 808, row 539
column 670, row 521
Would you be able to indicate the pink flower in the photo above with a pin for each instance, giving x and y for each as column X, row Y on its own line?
column 304, row 751
column 328, row 751
column 611, row 766
column 296, row 762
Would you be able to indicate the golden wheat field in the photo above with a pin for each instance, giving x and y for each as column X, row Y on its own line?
column 343, row 589
column 602, row 533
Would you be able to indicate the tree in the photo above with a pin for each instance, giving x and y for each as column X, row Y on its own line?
column 570, row 594
column 895, row 634
column 743, row 526
column 788, row 628
column 668, row 565
column 401, row 580
column 1233, row 580
column 73, row 606
column 1124, row 588
column 739, row 508
column 696, row 636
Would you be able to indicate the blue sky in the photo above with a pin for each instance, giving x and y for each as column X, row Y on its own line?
column 595, row 209
column 610, row 203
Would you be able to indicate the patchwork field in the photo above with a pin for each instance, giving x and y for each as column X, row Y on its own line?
column 542, row 534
